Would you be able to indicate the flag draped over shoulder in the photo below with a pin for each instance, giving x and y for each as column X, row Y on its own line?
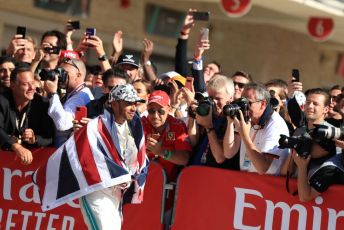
column 90, row 161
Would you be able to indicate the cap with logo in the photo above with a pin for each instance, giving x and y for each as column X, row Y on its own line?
column 160, row 97
column 129, row 59
column 125, row 93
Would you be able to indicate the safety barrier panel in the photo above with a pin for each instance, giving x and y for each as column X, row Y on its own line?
column 209, row 198
column 149, row 214
column 206, row 198
column 20, row 203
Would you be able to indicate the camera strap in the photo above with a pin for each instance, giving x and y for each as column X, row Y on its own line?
column 266, row 116
column 289, row 170
column 71, row 94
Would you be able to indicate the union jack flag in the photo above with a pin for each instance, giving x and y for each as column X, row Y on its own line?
column 90, row 161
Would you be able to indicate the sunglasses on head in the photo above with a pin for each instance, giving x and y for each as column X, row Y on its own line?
column 153, row 111
column 70, row 61
column 239, row 84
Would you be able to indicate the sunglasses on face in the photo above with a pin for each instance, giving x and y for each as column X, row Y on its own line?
column 153, row 111
column 70, row 61
column 239, row 84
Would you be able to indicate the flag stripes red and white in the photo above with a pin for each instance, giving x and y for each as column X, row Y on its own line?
column 89, row 161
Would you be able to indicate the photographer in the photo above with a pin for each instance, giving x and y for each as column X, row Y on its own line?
column 321, row 166
column 210, row 150
column 24, row 122
column 259, row 150
column 62, row 110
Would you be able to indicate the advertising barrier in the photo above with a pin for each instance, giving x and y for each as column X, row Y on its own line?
column 206, row 198
column 19, row 200
column 209, row 198
column 20, row 203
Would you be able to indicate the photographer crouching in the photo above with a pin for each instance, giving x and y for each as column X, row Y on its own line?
column 314, row 150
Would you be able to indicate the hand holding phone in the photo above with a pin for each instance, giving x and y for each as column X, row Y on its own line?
column 81, row 111
column 90, row 32
column 295, row 73
column 21, row 30
column 200, row 16
column 75, row 25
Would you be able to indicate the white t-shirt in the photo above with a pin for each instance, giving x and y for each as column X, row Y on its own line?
column 266, row 140
column 128, row 147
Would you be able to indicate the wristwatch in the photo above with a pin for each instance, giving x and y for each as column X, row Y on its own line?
column 102, row 58
column 148, row 63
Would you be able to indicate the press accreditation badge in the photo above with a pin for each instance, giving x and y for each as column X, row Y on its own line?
column 247, row 163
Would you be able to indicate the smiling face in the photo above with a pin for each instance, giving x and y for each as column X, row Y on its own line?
column 239, row 84
column 123, row 110
column 5, row 71
column 209, row 71
column 333, row 96
column 23, row 88
column 50, row 41
column 157, row 114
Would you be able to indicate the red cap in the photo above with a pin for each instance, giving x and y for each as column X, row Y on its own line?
column 159, row 97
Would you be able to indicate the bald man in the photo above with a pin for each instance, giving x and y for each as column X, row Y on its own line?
column 62, row 110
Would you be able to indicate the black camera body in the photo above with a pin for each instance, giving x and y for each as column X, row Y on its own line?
column 233, row 109
column 302, row 144
column 51, row 75
column 52, row 50
column 204, row 106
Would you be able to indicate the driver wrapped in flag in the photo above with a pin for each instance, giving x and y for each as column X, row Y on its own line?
column 104, row 164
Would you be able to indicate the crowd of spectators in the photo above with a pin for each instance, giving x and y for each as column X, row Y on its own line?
column 41, row 89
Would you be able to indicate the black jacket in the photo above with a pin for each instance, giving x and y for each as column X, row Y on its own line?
column 37, row 119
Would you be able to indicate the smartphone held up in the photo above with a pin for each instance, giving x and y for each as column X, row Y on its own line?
column 201, row 16
column 21, row 30
column 295, row 73
column 81, row 111
column 90, row 32
column 204, row 34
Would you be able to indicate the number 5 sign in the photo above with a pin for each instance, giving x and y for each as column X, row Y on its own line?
column 319, row 28
column 236, row 8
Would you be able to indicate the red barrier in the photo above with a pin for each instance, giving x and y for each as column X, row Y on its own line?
column 209, row 198
column 149, row 214
column 19, row 200
column 20, row 203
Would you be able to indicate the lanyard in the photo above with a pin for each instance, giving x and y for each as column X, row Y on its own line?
column 74, row 91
